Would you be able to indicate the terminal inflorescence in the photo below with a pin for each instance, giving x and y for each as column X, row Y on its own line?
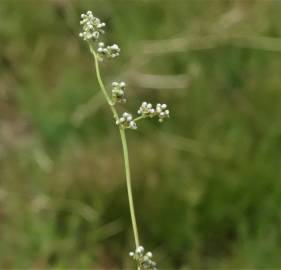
column 91, row 26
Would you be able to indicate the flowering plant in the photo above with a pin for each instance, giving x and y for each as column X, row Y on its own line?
column 92, row 29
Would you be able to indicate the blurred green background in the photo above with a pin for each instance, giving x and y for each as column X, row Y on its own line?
column 206, row 183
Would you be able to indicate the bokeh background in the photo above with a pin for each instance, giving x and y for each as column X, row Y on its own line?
column 206, row 183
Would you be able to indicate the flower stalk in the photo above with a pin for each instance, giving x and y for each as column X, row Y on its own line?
column 124, row 147
column 92, row 29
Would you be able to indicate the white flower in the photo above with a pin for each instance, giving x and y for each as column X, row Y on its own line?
column 111, row 51
column 162, row 112
column 126, row 121
column 91, row 26
column 149, row 254
column 146, row 110
column 118, row 92
column 144, row 260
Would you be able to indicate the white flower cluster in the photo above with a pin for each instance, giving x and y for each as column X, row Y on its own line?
column 143, row 259
column 109, row 51
column 126, row 121
column 92, row 26
column 91, row 29
column 162, row 112
column 147, row 110
column 118, row 92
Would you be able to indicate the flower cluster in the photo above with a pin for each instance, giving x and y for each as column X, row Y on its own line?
column 108, row 51
column 126, row 121
column 91, row 26
column 118, row 92
column 147, row 110
column 162, row 112
column 144, row 260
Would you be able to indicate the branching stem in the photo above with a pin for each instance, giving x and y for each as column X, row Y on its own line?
column 124, row 147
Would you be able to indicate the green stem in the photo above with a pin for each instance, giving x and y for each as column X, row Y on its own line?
column 129, row 187
column 109, row 101
column 139, row 118
column 124, row 147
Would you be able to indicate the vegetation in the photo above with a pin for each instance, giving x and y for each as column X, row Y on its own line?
column 208, row 191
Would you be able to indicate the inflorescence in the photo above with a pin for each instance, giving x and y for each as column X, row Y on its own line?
column 144, row 260
column 111, row 51
column 118, row 92
column 146, row 110
column 92, row 28
column 126, row 121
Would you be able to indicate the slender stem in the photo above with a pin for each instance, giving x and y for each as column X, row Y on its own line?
column 139, row 118
column 109, row 101
column 124, row 147
column 129, row 187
